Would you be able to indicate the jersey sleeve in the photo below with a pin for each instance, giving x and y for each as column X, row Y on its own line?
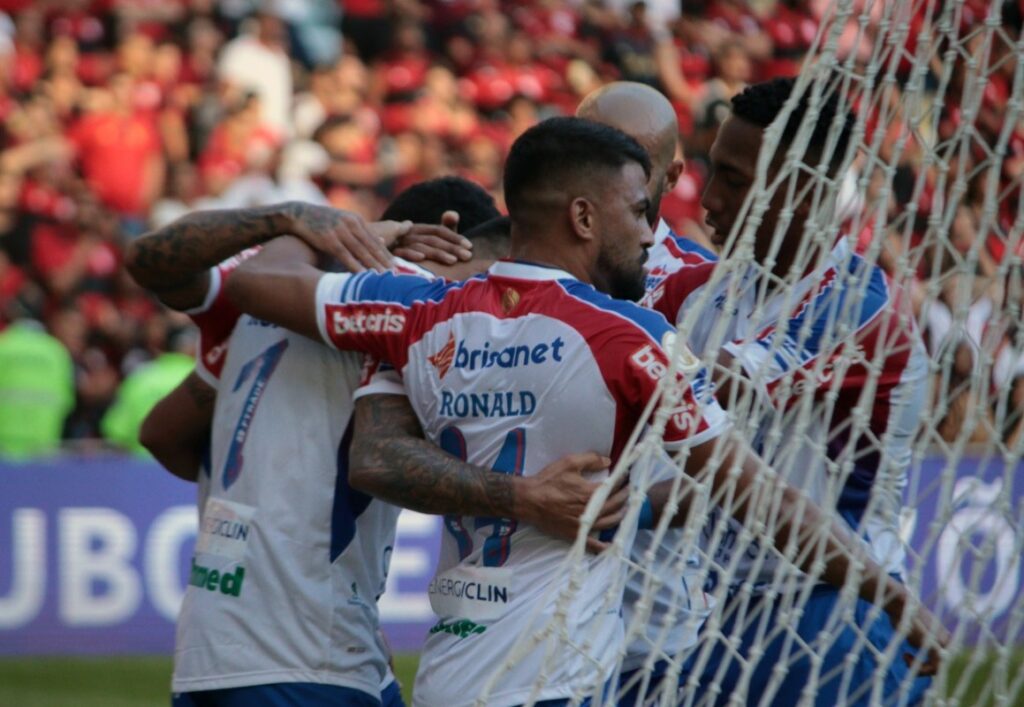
column 379, row 314
column 216, row 318
column 379, row 378
column 669, row 297
column 695, row 416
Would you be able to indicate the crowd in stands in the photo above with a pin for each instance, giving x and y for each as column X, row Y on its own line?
column 117, row 116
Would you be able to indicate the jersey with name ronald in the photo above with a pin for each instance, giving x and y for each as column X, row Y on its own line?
column 511, row 371
column 841, row 339
column 289, row 560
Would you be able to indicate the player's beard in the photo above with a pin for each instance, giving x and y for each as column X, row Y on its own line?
column 625, row 280
column 654, row 206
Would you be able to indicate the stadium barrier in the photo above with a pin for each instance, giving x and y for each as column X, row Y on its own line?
column 95, row 556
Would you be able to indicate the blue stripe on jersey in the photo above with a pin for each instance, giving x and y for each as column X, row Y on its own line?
column 828, row 305
column 404, row 290
column 349, row 504
column 686, row 245
column 653, row 323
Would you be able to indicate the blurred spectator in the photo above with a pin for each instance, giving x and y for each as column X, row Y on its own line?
column 36, row 390
column 141, row 390
column 120, row 153
column 258, row 62
column 115, row 116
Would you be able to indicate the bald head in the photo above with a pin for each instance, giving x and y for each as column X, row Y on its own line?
column 646, row 115
column 639, row 111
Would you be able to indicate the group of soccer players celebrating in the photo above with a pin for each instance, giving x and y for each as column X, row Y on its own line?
column 493, row 370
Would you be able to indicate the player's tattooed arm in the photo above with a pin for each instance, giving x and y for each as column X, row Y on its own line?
column 177, row 429
column 390, row 459
column 174, row 261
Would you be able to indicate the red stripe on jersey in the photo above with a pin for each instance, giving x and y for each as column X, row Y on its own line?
column 668, row 297
column 218, row 319
column 630, row 361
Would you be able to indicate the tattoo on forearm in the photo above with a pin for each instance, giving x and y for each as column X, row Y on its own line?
column 171, row 256
column 413, row 473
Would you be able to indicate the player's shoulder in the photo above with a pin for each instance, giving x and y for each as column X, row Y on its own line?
column 617, row 314
column 399, row 287
column 688, row 250
column 868, row 283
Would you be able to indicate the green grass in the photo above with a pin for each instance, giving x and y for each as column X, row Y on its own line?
column 134, row 681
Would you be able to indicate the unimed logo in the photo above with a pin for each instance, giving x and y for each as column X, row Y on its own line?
column 362, row 322
column 228, row 583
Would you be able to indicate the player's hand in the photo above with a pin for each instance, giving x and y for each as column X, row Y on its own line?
column 925, row 632
column 554, row 499
column 441, row 244
column 344, row 235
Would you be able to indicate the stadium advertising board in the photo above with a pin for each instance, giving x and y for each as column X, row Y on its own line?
column 95, row 555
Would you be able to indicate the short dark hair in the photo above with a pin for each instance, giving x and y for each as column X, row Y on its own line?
column 427, row 201
column 558, row 148
column 491, row 239
column 761, row 103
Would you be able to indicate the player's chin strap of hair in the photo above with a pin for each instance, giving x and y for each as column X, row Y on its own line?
column 646, row 521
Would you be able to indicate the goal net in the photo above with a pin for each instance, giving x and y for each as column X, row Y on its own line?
column 903, row 414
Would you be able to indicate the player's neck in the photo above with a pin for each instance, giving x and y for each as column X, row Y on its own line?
column 546, row 252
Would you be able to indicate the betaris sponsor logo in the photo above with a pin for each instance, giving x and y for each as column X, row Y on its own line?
column 389, row 321
column 648, row 361
column 227, row 583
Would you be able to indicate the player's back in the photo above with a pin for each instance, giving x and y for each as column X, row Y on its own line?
column 512, row 372
column 289, row 560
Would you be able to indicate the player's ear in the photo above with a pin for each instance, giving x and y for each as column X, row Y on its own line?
column 675, row 169
column 583, row 218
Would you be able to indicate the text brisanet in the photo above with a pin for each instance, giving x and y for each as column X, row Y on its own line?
column 508, row 356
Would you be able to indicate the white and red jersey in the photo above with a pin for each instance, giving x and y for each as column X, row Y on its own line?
column 512, row 371
column 679, row 605
column 289, row 560
column 216, row 318
column 670, row 253
column 810, row 351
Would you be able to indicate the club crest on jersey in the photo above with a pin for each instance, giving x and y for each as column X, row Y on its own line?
column 443, row 359
column 509, row 300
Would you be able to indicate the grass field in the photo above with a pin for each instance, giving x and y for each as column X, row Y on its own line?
column 143, row 681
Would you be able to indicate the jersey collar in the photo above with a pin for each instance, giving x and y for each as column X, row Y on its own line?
column 662, row 232
column 524, row 270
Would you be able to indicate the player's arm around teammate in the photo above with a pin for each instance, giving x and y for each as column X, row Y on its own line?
column 174, row 261
column 178, row 262
column 389, row 457
column 391, row 460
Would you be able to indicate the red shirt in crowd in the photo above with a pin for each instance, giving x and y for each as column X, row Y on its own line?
column 115, row 152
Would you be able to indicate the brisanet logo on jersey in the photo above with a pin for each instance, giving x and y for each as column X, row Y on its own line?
column 459, row 355
column 367, row 321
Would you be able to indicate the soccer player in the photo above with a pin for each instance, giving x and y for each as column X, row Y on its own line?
column 648, row 117
column 679, row 606
column 305, row 556
column 535, row 360
column 842, row 330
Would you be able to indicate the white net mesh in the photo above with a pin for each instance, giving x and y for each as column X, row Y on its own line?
column 906, row 420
